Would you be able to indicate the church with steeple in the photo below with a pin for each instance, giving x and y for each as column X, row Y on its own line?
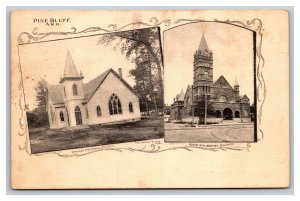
column 106, row 99
column 224, row 101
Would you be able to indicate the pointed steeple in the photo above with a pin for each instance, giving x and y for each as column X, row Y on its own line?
column 236, row 83
column 70, row 68
column 70, row 71
column 203, row 44
column 181, row 95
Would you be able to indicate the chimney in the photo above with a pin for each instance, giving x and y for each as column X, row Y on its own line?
column 120, row 72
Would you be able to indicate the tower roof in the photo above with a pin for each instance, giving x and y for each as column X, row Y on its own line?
column 236, row 83
column 180, row 96
column 70, row 68
column 203, row 44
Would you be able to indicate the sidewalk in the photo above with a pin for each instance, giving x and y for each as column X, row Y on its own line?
column 188, row 126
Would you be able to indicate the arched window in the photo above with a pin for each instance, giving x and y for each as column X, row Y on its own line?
column 130, row 107
column 222, row 99
column 61, row 115
column 98, row 111
column 237, row 114
column 75, row 92
column 114, row 105
column 78, row 116
column 206, row 75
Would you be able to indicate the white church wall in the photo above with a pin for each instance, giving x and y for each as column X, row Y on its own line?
column 52, row 122
column 71, row 105
column 59, row 123
column 113, row 84
column 68, row 84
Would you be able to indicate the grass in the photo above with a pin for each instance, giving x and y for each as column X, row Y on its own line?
column 45, row 140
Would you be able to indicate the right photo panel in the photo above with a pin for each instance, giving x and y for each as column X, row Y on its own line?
column 210, row 87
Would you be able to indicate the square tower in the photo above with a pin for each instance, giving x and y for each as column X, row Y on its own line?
column 203, row 69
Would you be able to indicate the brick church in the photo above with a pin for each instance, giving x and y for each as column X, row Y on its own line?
column 221, row 98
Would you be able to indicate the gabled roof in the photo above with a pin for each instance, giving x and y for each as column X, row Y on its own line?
column 187, row 91
column 203, row 44
column 90, row 87
column 70, row 68
column 180, row 96
column 222, row 78
column 245, row 97
column 55, row 93
column 94, row 84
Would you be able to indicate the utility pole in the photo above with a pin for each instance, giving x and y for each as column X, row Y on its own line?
column 192, row 106
column 205, row 103
column 205, row 107
column 241, row 111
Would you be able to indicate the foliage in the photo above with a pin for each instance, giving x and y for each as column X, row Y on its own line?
column 39, row 116
column 200, row 109
column 41, row 95
column 142, row 47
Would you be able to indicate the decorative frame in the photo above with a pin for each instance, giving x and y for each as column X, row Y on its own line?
column 148, row 146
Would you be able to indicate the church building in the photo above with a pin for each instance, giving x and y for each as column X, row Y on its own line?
column 225, row 100
column 107, row 98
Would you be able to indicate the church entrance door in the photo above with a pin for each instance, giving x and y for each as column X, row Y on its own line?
column 227, row 114
column 78, row 116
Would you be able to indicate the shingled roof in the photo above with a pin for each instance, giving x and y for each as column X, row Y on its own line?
column 90, row 87
column 56, row 92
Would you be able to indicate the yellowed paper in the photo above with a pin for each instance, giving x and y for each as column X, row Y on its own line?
column 149, row 99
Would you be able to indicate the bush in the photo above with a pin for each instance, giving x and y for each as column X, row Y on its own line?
column 37, row 119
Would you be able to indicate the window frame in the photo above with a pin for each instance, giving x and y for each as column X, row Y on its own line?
column 75, row 89
column 62, row 116
column 130, row 107
column 98, row 111
column 115, row 106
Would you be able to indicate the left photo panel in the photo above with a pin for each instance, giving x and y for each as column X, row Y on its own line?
column 93, row 90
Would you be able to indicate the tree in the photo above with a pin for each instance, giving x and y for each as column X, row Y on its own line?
column 39, row 117
column 200, row 109
column 41, row 95
column 142, row 47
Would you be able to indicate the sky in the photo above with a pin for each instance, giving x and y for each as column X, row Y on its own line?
column 47, row 60
column 231, row 45
column 233, row 56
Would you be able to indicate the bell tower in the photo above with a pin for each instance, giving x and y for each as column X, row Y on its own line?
column 73, row 93
column 72, row 80
column 203, row 69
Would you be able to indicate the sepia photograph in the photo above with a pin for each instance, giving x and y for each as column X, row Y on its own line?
column 93, row 90
column 149, row 99
column 209, row 83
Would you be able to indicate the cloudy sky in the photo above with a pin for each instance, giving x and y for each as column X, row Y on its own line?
column 47, row 60
column 233, row 56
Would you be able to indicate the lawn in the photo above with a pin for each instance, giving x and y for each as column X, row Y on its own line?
column 45, row 140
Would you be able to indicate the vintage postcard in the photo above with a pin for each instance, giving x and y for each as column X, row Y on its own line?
column 149, row 99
